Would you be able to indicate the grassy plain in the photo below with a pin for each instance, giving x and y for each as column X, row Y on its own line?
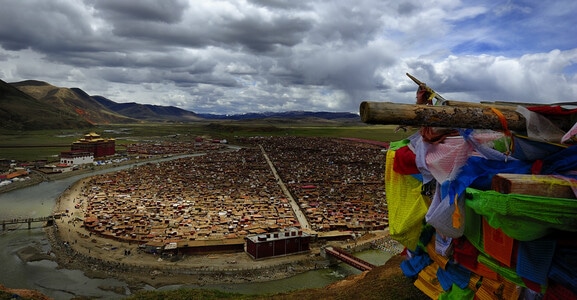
column 47, row 144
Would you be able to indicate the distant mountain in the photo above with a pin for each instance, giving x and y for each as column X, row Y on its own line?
column 20, row 111
column 33, row 104
column 148, row 112
column 100, row 110
column 71, row 101
column 334, row 116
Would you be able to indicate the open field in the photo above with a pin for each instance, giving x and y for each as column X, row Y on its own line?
column 47, row 144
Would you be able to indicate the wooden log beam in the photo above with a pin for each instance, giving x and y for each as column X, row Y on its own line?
column 386, row 113
column 536, row 185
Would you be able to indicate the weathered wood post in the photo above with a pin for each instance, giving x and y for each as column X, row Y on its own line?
column 386, row 113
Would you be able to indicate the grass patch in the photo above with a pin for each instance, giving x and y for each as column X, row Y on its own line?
column 43, row 144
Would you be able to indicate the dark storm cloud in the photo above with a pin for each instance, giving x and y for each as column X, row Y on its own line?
column 219, row 81
column 264, row 35
column 46, row 26
column 146, row 34
column 253, row 31
column 166, row 11
column 282, row 4
column 406, row 8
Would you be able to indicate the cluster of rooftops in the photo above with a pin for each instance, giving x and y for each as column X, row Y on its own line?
column 226, row 196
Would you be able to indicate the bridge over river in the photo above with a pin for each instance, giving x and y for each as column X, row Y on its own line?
column 348, row 258
column 49, row 220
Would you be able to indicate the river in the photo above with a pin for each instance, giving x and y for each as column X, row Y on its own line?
column 46, row 277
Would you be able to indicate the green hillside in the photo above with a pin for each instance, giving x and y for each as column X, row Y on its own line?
column 19, row 111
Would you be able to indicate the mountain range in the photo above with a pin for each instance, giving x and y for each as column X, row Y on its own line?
column 33, row 105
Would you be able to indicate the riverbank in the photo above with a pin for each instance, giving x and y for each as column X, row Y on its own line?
column 35, row 177
column 139, row 270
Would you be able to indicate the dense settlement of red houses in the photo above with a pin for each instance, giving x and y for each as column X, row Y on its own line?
column 338, row 183
column 215, row 200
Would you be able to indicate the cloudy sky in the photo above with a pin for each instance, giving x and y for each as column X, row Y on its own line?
column 236, row 56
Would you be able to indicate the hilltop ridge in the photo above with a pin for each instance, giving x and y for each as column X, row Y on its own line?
column 34, row 104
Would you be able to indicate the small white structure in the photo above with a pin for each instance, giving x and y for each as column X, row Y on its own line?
column 76, row 157
column 62, row 168
column 57, row 168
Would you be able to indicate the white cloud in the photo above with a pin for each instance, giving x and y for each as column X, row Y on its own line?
column 245, row 56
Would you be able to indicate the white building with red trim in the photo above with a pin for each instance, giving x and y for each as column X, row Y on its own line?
column 76, row 157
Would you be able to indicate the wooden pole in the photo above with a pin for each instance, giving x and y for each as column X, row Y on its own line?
column 386, row 113
column 418, row 82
